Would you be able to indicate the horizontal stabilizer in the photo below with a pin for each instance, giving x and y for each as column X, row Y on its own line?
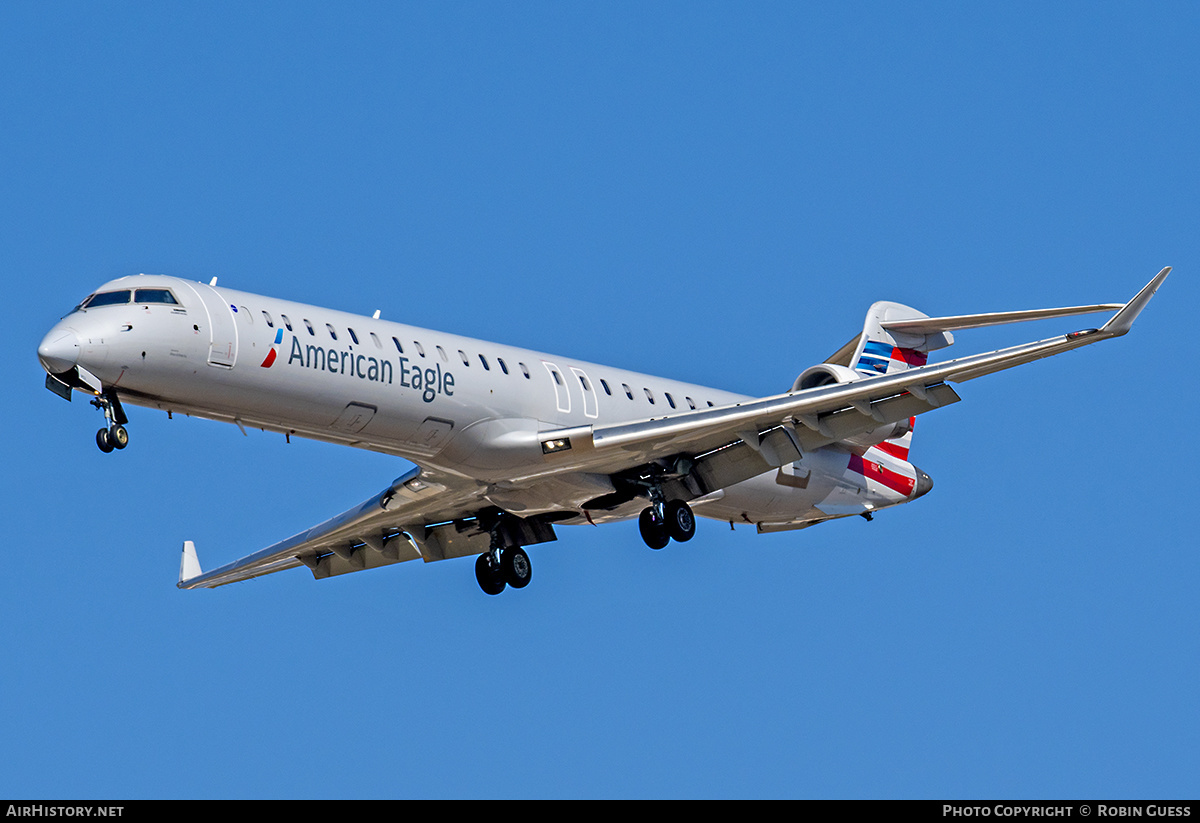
column 930, row 325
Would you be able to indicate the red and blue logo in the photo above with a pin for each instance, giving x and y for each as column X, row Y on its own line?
column 273, row 353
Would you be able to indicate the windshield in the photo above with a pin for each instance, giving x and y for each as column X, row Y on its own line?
column 125, row 296
column 154, row 296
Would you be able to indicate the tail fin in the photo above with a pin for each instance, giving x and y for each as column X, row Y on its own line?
column 884, row 351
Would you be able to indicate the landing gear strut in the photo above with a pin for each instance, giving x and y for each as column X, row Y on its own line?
column 112, row 436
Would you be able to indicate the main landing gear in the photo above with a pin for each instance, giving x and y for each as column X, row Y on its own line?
column 498, row 568
column 112, row 436
column 662, row 522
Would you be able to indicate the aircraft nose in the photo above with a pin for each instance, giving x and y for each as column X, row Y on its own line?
column 59, row 351
column 924, row 484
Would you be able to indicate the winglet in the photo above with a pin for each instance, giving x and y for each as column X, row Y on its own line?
column 1123, row 320
column 189, row 564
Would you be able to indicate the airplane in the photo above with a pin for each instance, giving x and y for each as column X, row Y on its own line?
column 509, row 444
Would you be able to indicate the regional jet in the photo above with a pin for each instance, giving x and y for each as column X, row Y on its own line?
column 510, row 444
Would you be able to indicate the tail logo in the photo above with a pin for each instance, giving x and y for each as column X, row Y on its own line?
column 877, row 357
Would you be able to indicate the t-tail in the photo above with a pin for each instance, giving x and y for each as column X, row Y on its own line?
column 881, row 350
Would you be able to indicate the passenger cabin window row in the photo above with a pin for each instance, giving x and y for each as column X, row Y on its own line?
column 121, row 297
column 164, row 296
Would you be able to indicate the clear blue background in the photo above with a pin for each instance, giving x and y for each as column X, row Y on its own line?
column 714, row 192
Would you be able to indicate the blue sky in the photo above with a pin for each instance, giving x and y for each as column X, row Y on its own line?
column 714, row 192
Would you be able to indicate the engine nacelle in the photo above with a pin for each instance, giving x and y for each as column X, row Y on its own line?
column 825, row 374
column 828, row 374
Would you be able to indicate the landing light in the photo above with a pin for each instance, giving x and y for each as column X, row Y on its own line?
column 552, row 446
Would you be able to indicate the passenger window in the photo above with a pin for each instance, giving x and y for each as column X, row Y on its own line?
column 483, row 360
column 503, row 365
column 691, row 403
column 463, row 355
column 267, row 317
column 420, row 348
column 442, row 352
column 557, row 377
column 583, row 382
column 604, row 383
column 353, row 336
column 374, row 338
column 309, row 326
column 332, row 333
column 628, row 391
column 286, row 322
column 399, row 348
column 649, row 395
column 524, row 370
column 670, row 399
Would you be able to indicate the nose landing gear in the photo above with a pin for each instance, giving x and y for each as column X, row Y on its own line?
column 112, row 436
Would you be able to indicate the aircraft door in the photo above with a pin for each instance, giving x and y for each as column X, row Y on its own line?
column 222, row 332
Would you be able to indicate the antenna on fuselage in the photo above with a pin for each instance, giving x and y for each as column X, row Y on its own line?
column 212, row 282
column 375, row 316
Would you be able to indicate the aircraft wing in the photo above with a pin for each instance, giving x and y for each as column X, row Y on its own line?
column 778, row 428
column 390, row 527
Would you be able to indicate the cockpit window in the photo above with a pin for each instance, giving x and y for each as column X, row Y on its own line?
column 154, row 296
column 106, row 298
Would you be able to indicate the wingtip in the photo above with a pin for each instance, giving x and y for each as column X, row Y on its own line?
column 1122, row 321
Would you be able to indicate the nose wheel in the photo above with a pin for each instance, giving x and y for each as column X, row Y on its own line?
column 112, row 436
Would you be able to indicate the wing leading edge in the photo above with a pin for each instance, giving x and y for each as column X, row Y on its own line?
column 390, row 527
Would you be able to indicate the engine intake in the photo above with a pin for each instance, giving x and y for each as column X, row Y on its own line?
column 825, row 374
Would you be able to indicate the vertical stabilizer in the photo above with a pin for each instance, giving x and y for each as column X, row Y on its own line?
column 882, row 351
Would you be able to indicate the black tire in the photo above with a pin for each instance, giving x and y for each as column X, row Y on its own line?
column 654, row 532
column 517, row 569
column 103, row 441
column 489, row 575
column 681, row 523
column 118, row 437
